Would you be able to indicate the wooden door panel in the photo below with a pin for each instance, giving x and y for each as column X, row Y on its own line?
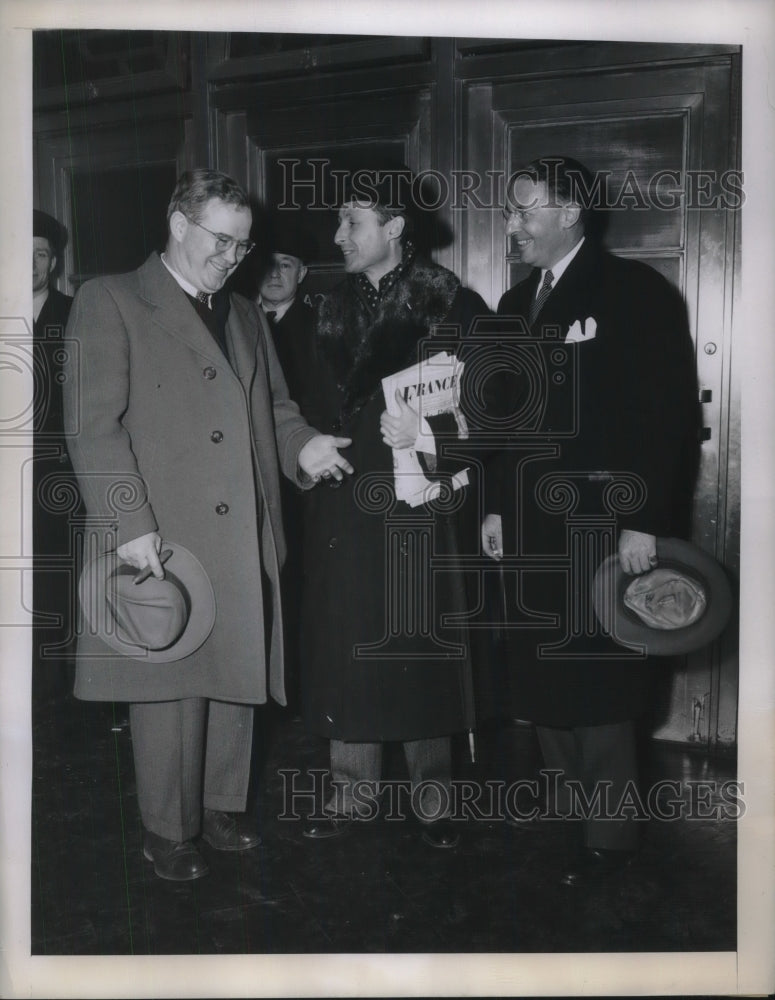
column 110, row 187
column 322, row 138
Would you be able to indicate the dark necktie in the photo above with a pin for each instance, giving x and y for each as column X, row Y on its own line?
column 271, row 316
column 543, row 295
column 213, row 311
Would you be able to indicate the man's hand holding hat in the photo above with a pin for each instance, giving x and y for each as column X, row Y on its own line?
column 637, row 551
column 142, row 553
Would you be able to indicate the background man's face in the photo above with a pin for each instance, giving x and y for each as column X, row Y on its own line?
column 43, row 263
column 536, row 224
column 196, row 256
column 363, row 239
column 282, row 279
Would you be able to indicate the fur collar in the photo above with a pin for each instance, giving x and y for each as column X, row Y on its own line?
column 363, row 347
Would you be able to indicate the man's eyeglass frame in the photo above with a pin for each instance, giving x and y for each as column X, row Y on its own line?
column 223, row 243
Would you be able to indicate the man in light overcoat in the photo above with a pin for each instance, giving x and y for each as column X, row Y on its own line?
column 183, row 418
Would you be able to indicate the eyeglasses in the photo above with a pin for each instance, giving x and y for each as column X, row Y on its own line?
column 224, row 243
column 521, row 214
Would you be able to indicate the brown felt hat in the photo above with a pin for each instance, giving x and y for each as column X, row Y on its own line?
column 156, row 621
column 680, row 606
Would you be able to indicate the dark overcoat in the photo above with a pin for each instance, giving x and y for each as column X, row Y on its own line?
column 56, row 501
column 172, row 437
column 53, row 473
column 291, row 335
column 379, row 662
column 604, row 437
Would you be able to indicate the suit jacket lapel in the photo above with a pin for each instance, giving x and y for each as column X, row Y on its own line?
column 574, row 293
column 174, row 313
column 241, row 338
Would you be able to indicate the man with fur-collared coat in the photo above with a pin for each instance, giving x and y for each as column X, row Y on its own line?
column 183, row 415
column 379, row 661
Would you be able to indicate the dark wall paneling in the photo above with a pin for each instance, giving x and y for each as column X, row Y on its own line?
column 109, row 182
column 271, row 55
column 127, row 208
column 290, row 154
column 78, row 67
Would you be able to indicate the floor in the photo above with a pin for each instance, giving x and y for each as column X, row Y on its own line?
column 378, row 889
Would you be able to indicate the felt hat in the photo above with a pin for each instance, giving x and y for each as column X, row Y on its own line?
column 287, row 234
column 155, row 621
column 680, row 606
column 46, row 225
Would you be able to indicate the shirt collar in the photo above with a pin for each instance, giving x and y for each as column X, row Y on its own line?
column 185, row 285
column 561, row 266
column 39, row 300
column 279, row 311
column 374, row 295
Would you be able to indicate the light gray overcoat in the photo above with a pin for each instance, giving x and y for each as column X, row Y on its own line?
column 172, row 438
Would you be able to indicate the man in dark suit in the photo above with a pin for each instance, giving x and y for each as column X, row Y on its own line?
column 50, row 308
column 53, row 479
column 601, row 440
column 183, row 424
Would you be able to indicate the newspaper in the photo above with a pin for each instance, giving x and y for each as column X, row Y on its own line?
column 431, row 387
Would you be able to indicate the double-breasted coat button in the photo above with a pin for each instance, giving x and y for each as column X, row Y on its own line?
column 216, row 437
column 209, row 372
column 332, row 543
column 221, row 508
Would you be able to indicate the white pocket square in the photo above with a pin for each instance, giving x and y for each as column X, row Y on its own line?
column 585, row 332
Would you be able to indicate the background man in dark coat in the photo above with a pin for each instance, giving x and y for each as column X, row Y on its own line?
column 370, row 675
column 601, row 453
column 183, row 417
column 53, row 479
column 291, row 323
column 291, row 319
column 50, row 308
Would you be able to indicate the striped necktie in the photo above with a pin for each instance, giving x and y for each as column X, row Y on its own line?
column 543, row 295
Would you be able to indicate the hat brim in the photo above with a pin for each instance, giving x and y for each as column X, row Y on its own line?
column 627, row 629
column 92, row 592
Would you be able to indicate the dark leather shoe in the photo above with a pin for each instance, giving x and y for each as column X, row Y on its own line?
column 177, row 861
column 228, row 831
column 597, row 865
column 324, row 827
column 440, row 834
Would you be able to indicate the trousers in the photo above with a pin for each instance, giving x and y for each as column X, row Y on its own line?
column 601, row 762
column 189, row 754
column 429, row 763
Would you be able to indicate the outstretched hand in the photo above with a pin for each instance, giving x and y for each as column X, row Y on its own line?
column 319, row 458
